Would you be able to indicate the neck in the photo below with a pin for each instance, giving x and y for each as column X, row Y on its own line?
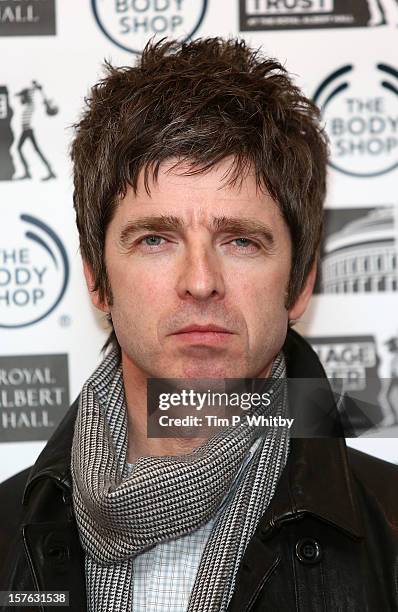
column 139, row 444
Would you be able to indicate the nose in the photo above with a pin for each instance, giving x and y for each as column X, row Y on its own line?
column 200, row 276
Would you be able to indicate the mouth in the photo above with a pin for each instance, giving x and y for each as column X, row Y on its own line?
column 203, row 334
column 203, row 328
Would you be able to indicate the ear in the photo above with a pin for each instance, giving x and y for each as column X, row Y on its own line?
column 301, row 303
column 89, row 276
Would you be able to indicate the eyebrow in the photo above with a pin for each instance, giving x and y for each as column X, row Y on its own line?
column 228, row 225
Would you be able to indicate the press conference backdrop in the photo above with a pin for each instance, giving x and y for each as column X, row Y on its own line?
column 343, row 54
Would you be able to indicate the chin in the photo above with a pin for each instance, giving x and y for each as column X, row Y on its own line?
column 211, row 370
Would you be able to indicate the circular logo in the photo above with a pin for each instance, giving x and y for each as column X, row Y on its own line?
column 131, row 23
column 34, row 273
column 360, row 112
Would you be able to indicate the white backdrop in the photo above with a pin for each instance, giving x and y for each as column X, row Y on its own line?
column 50, row 337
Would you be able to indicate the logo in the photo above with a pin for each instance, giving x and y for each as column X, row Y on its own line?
column 360, row 111
column 18, row 130
column 34, row 273
column 359, row 251
column 129, row 24
column 34, row 396
column 366, row 370
column 27, row 18
column 302, row 14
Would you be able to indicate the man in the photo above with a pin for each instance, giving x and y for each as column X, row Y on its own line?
column 199, row 185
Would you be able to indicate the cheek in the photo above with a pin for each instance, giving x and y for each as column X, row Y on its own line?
column 261, row 300
column 137, row 293
column 262, row 292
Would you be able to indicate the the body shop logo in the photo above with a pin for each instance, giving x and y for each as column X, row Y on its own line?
column 360, row 110
column 34, row 273
column 130, row 23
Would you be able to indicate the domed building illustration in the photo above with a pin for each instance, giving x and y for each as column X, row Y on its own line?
column 362, row 256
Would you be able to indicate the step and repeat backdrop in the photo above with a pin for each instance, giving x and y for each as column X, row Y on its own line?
column 343, row 53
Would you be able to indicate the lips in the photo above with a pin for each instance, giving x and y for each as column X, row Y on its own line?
column 203, row 329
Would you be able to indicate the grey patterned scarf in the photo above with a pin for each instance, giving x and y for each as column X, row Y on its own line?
column 121, row 515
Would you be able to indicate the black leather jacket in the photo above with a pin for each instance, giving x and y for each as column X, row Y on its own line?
column 328, row 541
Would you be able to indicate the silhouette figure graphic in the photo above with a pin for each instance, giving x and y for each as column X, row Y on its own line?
column 391, row 390
column 27, row 100
column 7, row 167
column 383, row 12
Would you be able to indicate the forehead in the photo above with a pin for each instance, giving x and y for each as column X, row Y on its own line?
column 183, row 190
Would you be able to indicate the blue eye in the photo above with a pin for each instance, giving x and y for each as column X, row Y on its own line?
column 243, row 241
column 244, row 246
column 152, row 240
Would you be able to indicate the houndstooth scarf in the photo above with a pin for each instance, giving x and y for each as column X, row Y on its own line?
column 120, row 515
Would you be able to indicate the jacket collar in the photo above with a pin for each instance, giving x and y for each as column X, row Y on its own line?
column 316, row 480
column 54, row 460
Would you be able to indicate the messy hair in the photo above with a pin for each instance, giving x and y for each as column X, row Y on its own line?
column 200, row 102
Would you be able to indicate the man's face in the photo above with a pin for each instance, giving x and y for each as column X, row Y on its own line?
column 198, row 253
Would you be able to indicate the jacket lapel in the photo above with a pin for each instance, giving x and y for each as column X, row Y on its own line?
column 56, row 561
column 50, row 536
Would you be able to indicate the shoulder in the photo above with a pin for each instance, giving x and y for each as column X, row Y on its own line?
column 372, row 468
column 11, row 492
column 11, row 510
column 378, row 477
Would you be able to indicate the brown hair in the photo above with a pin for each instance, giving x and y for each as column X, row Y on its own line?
column 200, row 101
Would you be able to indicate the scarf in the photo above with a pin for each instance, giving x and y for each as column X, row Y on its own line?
column 119, row 515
